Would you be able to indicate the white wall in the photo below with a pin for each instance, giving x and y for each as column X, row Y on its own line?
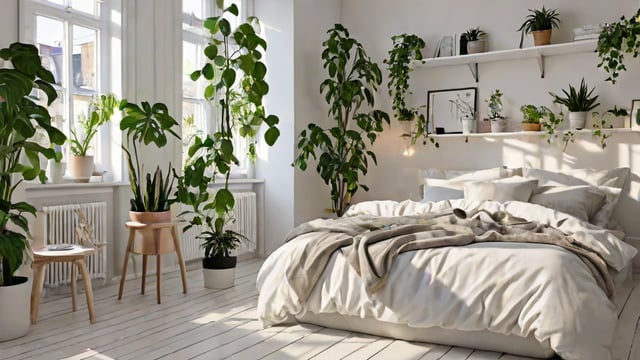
column 396, row 176
column 9, row 23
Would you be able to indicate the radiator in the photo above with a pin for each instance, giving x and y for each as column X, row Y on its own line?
column 245, row 216
column 59, row 228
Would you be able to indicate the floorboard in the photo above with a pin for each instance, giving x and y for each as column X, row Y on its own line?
column 222, row 324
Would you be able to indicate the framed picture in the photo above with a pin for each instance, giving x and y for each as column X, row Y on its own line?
column 445, row 108
column 635, row 115
column 446, row 47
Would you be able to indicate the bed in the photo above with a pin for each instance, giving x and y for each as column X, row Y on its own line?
column 520, row 264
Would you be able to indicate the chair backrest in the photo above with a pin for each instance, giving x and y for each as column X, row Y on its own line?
column 84, row 230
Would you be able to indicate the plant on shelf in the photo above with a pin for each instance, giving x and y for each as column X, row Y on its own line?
column 616, row 40
column 550, row 125
column 540, row 23
column 475, row 40
column 21, row 117
column 601, row 122
column 146, row 124
column 100, row 111
column 406, row 47
column 578, row 102
column 344, row 154
column 465, row 109
column 235, row 79
column 495, row 106
column 532, row 116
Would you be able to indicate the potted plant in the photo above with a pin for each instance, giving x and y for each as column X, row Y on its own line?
column 494, row 104
column 619, row 117
column 540, row 23
column 20, row 160
column 101, row 110
column 55, row 167
column 144, row 125
column 344, row 154
column 236, row 81
column 406, row 47
column 465, row 111
column 616, row 40
column 532, row 115
column 578, row 102
column 475, row 39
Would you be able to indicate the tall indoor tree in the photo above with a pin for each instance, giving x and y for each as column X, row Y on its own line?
column 343, row 150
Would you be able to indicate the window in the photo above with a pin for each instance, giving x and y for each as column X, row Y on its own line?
column 199, row 116
column 73, row 38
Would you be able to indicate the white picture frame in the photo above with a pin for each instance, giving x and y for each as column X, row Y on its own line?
column 635, row 107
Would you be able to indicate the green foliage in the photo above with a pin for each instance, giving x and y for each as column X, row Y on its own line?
column 577, row 100
column 600, row 123
column 353, row 79
column 144, row 125
column 545, row 19
column 406, row 47
column 20, row 117
column 236, row 81
column 474, row 34
column 616, row 111
column 616, row 40
column 533, row 114
column 103, row 108
column 494, row 103
column 550, row 126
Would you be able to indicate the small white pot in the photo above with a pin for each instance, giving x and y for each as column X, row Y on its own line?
column 577, row 119
column 15, row 312
column 56, row 171
column 468, row 125
column 499, row 125
column 474, row 47
column 219, row 278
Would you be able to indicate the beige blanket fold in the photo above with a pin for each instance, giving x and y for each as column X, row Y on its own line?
column 371, row 244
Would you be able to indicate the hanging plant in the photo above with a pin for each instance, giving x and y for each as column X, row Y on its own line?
column 600, row 123
column 616, row 40
column 406, row 47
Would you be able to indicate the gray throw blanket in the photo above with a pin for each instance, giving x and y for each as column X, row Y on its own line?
column 371, row 244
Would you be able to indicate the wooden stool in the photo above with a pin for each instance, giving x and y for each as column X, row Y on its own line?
column 76, row 256
column 153, row 242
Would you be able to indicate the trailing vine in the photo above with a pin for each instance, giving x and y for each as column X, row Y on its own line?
column 616, row 40
column 406, row 47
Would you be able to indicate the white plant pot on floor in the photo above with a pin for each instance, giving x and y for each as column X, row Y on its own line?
column 15, row 312
column 219, row 278
column 578, row 119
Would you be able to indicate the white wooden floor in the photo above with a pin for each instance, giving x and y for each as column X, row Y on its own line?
column 208, row 324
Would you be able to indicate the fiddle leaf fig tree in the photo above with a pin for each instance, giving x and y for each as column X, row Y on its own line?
column 406, row 47
column 343, row 149
column 235, row 76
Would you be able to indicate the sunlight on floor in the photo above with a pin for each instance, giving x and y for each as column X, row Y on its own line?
column 89, row 353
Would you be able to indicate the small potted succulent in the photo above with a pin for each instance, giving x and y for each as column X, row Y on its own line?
column 476, row 40
column 578, row 102
column 532, row 115
column 494, row 104
column 540, row 24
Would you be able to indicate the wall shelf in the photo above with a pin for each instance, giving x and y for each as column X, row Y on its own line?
column 516, row 134
column 536, row 52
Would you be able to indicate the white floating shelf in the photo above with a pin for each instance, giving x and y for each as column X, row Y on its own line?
column 536, row 52
column 525, row 133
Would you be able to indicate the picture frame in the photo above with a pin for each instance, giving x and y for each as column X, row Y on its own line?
column 635, row 107
column 442, row 116
column 446, row 46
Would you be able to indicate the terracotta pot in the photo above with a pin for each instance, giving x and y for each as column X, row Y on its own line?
column 150, row 217
column 80, row 167
column 474, row 47
column 541, row 37
column 156, row 241
column 530, row 126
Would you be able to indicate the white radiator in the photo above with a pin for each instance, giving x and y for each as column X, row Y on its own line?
column 59, row 228
column 245, row 215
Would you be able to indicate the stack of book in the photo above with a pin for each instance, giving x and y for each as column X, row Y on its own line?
column 587, row 32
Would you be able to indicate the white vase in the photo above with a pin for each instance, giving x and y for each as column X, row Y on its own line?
column 468, row 125
column 56, row 171
column 219, row 278
column 15, row 312
column 577, row 119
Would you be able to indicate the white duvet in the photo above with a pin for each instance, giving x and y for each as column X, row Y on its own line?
column 506, row 288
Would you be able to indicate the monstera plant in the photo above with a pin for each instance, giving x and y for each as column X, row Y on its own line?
column 343, row 150
column 20, row 118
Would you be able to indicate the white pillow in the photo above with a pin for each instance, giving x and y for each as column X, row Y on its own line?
column 581, row 201
column 514, row 188
column 610, row 182
column 442, row 184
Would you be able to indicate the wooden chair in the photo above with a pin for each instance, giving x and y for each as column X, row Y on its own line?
column 153, row 242
column 74, row 254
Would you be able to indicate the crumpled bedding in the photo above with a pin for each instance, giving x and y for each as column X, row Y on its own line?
column 508, row 288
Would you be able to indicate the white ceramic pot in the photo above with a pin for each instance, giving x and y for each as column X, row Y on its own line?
column 15, row 312
column 577, row 119
column 80, row 168
column 474, row 47
column 219, row 278
column 468, row 125
column 499, row 125
column 56, row 171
